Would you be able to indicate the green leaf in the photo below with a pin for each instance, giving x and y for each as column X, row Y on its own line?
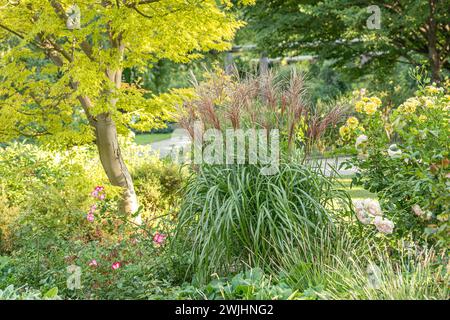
column 51, row 294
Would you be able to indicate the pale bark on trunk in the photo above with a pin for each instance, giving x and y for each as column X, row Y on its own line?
column 112, row 162
column 111, row 157
column 104, row 126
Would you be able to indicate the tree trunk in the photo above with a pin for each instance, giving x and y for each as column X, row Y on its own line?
column 112, row 161
column 433, row 54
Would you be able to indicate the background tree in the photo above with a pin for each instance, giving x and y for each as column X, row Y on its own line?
column 62, row 79
column 411, row 31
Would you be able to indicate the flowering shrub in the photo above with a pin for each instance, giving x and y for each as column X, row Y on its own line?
column 368, row 211
column 57, row 210
column 116, row 258
column 403, row 155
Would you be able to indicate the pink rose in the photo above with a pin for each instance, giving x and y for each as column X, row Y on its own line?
column 90, row 217
column 99, row 193
column 93, row 263
column 115, row 265
column 159, row 238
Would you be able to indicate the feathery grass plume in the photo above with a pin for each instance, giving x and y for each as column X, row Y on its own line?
column 267, row 101
column 319, row 121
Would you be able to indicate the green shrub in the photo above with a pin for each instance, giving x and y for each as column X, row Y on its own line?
column 8, row 216
column 43, row 194
column 158, row 184
column 144, row 266
column 44, row 203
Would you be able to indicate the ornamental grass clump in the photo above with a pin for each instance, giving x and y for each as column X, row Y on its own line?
column 337, row 265
column 233, row 216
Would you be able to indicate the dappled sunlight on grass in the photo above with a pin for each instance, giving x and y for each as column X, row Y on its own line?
column 355, row 192
column 148, row 138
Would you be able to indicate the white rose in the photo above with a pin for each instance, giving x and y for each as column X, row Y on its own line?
column 373, row 207
column 383, row 225
column 361, row 212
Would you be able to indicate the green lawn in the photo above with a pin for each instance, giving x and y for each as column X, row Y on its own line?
column 148, row 138
column 356, row 192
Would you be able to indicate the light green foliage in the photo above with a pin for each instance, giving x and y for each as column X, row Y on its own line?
column 43, row 207
column 11, row 293
column 46, row 68
column 44, row 192
column 159, row 186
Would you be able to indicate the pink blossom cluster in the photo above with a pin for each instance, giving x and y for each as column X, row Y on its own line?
column 94, row 264
column 368, row 211
column 159, row 238
column 98, row 193
column 90, row 216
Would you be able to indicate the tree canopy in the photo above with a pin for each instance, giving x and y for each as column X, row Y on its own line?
column 63, row 61
column 57, row 78
column 410, row 31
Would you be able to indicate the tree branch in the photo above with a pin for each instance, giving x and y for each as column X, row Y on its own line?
column 12, row 31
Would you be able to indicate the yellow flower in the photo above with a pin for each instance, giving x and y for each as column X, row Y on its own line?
column 447, row 83
column 368, row 105
column 359, row 106
column 422, row 118
column 370, row 108
column 344, row 132
column 432, row 90
column 428, row 102
column 376, row 100
column 352, row 123
column 409, row 106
